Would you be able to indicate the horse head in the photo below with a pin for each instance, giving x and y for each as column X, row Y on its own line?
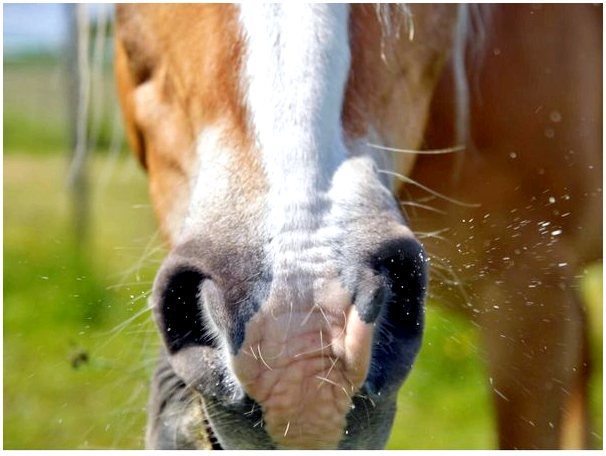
column 292, row 299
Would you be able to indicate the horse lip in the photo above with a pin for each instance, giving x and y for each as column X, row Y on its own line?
column 204, row 369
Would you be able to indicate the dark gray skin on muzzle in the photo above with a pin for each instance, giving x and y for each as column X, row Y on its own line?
column 196, row 401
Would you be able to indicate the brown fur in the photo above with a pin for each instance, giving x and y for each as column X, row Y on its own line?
column 177, row 70
column 536, row 158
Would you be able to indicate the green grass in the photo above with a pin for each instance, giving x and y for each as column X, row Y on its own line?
column 446, row 387
column 592, row 291
column 75, row 369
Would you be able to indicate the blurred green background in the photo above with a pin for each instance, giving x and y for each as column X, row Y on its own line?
column 79, row 344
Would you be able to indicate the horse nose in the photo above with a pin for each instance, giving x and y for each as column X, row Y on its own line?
column 393, row 298
column 403, row 264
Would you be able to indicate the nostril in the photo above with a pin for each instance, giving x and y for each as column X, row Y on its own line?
column 179, row 311
column 394, row 284
column 402, row 264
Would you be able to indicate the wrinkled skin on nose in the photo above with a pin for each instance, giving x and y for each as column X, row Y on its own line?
column 309, row 353
column 303, row 364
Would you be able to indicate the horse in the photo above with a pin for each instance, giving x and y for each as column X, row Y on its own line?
column 296, row 156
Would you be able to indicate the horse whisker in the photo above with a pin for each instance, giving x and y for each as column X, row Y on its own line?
column 321, row 349
column 286, row 430
column 439, row 264
column 252, row 352
column 333, row 364
column 129, row 320
column 128, row 284
column 433, row 234
column 261, row 356
column 422, row 206
column 307, row 317
column 447, row 150
column 408, row 180
column 327, row 380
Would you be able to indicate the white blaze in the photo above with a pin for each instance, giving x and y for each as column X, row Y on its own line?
column 296, row 67
column 295, row 71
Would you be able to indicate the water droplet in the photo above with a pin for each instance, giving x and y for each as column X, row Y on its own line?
column 555, row 116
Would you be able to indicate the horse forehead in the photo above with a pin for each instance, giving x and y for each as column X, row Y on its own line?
column 207, row 48
column 295, row 68
column 286, row 114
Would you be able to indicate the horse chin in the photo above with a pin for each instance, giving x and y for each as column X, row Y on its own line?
column 301, row 395
column 329, row 416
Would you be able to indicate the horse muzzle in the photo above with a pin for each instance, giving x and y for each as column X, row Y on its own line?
column 292, row 354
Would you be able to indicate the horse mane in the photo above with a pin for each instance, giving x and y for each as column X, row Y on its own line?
column 467, row 54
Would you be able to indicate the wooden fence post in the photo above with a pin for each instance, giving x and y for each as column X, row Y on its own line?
column 78, row 99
